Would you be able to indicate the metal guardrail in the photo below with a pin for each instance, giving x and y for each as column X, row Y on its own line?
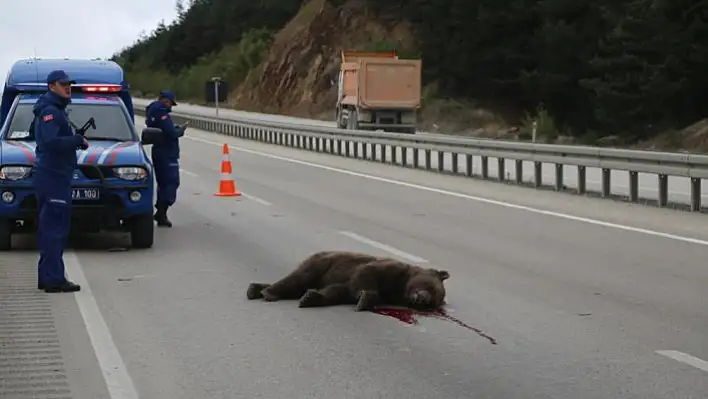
column 365, row 144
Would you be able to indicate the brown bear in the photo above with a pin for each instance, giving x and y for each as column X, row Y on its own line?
column 330, row 278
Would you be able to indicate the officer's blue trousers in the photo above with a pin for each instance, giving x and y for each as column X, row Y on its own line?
column 167, row 177
column 54, row 205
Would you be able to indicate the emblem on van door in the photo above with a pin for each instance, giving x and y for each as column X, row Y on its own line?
column 76, row 175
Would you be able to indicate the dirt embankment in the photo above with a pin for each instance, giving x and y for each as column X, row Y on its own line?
column 299, row 75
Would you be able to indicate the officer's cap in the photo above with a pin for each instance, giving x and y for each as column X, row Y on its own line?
column 60, row 77
column 168, row 95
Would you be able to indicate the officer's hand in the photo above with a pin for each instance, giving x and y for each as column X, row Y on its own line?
column 84, row 145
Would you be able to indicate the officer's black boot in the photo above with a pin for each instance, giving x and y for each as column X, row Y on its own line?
column 161, row 216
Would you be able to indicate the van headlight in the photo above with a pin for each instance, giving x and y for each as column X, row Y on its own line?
column 15, row 172
column 130, row 173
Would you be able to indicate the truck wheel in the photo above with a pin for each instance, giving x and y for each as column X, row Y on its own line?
column 5, row 235
column 142, row 231
column 340, row 119
column 352, row 122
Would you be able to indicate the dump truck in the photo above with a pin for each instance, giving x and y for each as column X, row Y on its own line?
column 377, row 90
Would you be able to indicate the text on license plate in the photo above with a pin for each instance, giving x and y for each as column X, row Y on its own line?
column 85, row 194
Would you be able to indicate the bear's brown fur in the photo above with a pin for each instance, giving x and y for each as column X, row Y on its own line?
column 330, row 278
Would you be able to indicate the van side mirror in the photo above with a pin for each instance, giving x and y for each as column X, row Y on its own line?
column 151, row 135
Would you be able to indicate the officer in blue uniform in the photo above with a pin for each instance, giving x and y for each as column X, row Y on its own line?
column 165, row 154
column 54, row 167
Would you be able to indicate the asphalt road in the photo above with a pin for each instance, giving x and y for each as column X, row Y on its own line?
column 580, row 294
column 679, row 187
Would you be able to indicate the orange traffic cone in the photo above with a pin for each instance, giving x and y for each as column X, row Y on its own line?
column 227, row 186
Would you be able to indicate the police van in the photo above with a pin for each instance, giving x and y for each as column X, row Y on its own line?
column 113, row 185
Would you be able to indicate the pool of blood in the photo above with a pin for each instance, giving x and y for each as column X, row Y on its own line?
column 408, row 316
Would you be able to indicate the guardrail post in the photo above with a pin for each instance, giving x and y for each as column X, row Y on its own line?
column 501, row 167
column 427, row 160
column 404, row 156
column 633, row 186
column 468, row 166
column 695, row 194
column 519, row 171
column 582, row 180
column 384, row 153
column 559, row 177
column 455, row 168
column 606, row 179
column 663, row 190
column 416, row 159
column 374, row 157
column 356, row 149
column 441, row 161
column 365, row 150
column 394, row 155
column 485, row 167
column 537, row 174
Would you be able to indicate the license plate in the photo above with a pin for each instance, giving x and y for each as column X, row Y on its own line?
column 85, row 194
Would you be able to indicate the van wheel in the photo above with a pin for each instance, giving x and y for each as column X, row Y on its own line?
column 5, row 235
column 142, row 231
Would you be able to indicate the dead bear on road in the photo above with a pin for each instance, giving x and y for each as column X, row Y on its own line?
column 330, row 278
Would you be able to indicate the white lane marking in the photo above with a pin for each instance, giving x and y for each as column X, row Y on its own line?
column 596, row 222
column 685, row 358
column 118, row 381
column 256, row 199
column 384, row 247
column 249, row 196
column 186, row 172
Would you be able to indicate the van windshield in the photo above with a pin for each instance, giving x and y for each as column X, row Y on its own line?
column 111, row 122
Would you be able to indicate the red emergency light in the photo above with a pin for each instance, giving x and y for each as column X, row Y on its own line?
column 98, row 88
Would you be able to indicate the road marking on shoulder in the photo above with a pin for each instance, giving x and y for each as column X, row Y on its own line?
column 685, row 359
column 256, row 199
column 581, row 219
column 118, row 381
column 384, row 247
column 186, row 172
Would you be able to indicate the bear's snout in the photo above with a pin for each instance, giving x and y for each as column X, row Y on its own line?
column 421, row 297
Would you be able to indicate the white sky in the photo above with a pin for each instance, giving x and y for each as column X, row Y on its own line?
column 74, row 28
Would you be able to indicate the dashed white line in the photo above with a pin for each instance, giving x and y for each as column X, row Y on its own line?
column 256, row 199
column 249, row 196
column 685, row 359
column 596, row 222
column 118, row 381
column 186, row 172
column 394, row 251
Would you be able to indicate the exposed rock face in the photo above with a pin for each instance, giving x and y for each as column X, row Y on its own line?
column 299, row 75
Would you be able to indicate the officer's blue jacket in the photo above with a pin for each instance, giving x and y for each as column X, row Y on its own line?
column 56, row 141
column 158, row 116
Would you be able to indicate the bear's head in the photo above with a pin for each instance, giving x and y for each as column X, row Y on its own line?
column 425, row 289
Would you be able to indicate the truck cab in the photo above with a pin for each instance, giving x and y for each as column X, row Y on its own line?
column 113, row 185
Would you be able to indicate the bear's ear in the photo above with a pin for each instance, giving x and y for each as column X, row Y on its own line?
column 443, row 274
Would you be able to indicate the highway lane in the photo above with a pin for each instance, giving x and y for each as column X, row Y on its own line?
column 579, row 309
column 679, row 188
